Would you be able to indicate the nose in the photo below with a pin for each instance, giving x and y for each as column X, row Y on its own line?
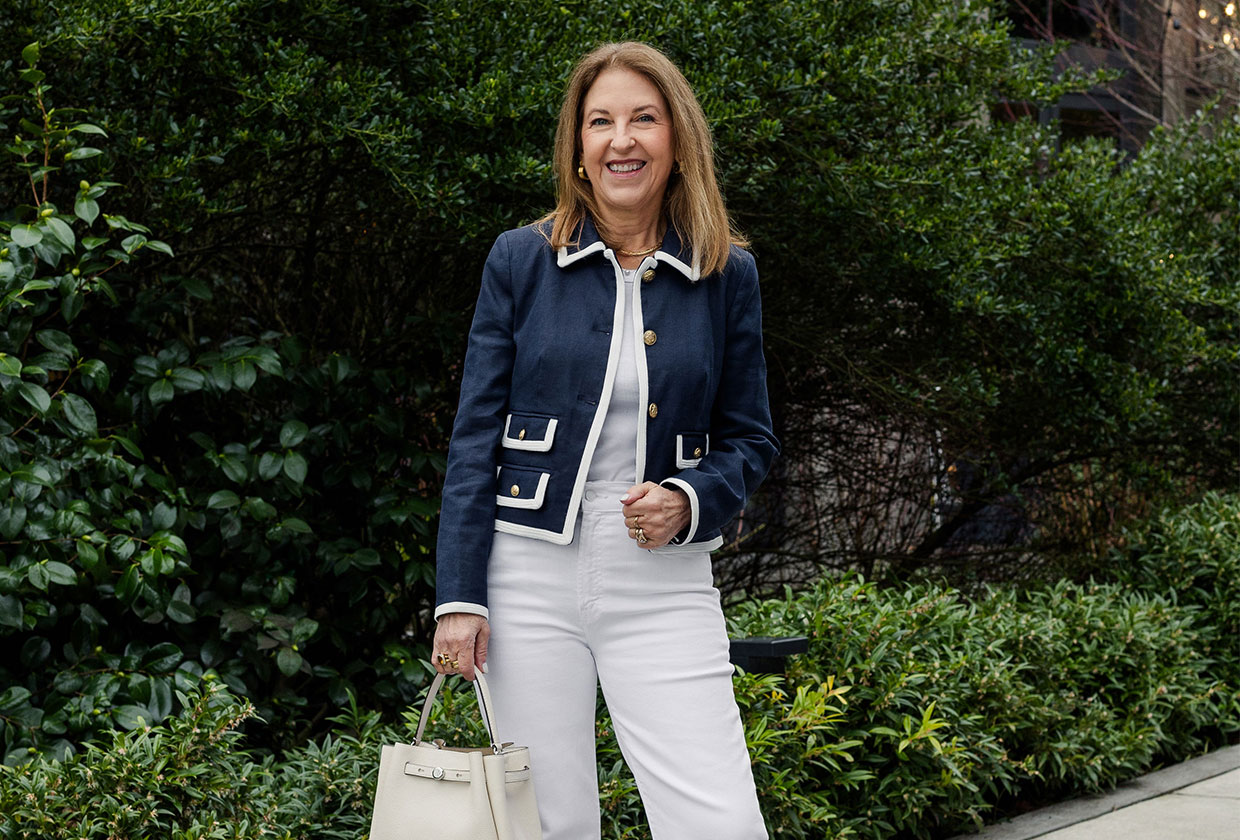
column 622, row 140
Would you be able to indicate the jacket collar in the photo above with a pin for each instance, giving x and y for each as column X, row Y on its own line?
column 670, row 250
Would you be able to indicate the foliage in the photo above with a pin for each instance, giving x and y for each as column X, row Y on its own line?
column 1193, row 556
column 330, row 175
column 136, row 562
column 916, row 713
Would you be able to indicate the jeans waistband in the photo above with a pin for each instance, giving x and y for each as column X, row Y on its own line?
column 603, row 495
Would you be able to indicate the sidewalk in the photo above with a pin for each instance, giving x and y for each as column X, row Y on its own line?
column 1196, row 800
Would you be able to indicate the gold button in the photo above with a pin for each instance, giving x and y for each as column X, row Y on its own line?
column 521, row 435
column 697, row 453
column 650, row 338
column 516, row 491
column 653, row 411
column 648, row 275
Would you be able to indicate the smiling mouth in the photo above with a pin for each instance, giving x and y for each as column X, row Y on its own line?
column 627, row 166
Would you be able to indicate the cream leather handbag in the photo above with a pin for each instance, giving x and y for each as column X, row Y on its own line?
column 434, row 792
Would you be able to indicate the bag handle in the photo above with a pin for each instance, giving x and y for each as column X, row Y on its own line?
column 485, row 707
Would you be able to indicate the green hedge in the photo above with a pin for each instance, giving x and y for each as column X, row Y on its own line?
column 916, row 713
column 235, row 467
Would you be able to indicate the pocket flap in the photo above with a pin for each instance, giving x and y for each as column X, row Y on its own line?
column 530, row 432
column 520, row 487
column 690, row 448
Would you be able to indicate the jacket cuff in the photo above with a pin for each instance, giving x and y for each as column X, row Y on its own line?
column 694, row 510
column 462, row 607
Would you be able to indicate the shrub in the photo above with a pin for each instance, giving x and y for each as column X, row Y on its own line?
column 915, row 713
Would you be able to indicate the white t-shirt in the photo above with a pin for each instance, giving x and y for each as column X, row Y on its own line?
column 615, row 455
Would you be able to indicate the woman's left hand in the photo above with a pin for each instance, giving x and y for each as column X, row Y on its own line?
column 656, row 513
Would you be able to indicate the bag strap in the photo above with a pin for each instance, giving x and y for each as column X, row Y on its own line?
column 485, row 709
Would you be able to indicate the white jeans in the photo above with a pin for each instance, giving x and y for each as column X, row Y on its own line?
column 645, row 625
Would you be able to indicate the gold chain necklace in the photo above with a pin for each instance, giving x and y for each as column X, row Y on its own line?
column 649, row 250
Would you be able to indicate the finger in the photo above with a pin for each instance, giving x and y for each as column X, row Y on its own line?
column 481, row 643
column 465, row 664
column 637, row 491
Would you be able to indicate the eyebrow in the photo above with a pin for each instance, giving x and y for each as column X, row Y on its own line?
column 605, row 112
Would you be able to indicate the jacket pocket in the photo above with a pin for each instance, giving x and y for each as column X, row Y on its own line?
column 530, row 432
column 690, row 448
column 520, row 487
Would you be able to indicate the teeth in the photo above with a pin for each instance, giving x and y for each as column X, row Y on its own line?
column 625, row 167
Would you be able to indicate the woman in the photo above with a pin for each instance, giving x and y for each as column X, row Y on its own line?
column 613, row 418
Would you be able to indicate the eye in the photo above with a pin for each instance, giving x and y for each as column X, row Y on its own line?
column 598, row 121
column 645, row 118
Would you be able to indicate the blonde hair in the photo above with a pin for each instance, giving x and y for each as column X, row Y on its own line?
column 693, row 204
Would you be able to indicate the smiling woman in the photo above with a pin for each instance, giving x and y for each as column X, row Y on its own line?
column 628, row 155
column 613, row 417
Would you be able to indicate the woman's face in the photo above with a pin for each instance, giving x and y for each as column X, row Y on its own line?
column 627, row 144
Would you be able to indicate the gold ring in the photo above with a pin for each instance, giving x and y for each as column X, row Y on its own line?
column 447, row 661
column 641, row 535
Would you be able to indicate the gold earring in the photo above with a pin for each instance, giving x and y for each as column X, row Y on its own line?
column 581, row 173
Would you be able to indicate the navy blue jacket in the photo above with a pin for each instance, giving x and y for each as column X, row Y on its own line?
column 539, row 368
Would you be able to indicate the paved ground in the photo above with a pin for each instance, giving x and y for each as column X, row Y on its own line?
column 1196, row 800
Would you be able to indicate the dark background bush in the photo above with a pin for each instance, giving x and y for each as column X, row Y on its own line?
column 964, row 319
column 916, row 713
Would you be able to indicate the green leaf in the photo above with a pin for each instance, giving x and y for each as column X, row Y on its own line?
column 163, row 657
column 61, row 574
column 36, row 396
column 97, row 372
column 30, row 53
column 128, row 445
column 180, row 609
column 292, row 433
column 83, row 152
column 146, row 366
column 259, row 508
column 269, row 465
column 10, row 365
column 27, row 236
column 91, row 242
column 88, row 128
column 161, row 698
column 289, row 661
column 223, row 499
column 164, row 516
column 297, row 526
column 244, row 374
column 13, row 698
column 304, row 629
column 152, row 561
column 61, row 231
column 268, row 360
column 80, row 413
column 127, row 587
column 71, row 306
column 56, row 341
column 295, row 467
column 87, row 555
column 10, row 611
column 160, row 391
column 132, row 717
column 38, row 576
column 187, row 379
column 87, row 209
column 133, row 242
column 234, row 468
column 161, row 247
column 12, row 519
column 197, row 287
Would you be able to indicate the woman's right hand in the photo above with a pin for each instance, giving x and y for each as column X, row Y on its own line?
column 462, row 638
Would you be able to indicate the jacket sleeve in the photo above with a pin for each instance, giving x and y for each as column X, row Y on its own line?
column 742, row 440
column 468, row 512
